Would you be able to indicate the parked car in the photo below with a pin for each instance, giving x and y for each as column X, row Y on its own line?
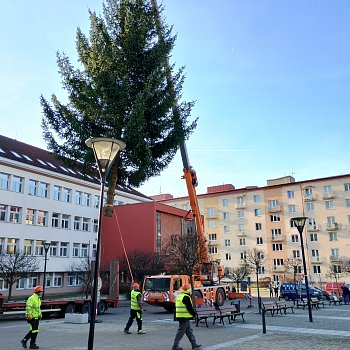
column 293, row 291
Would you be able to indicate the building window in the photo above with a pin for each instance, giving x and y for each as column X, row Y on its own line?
column 12, row 246
column 32, row 282
column 54, row 249
column 41, row 218
column 273, row 204
column 96, row 201
column 39, row 248
column 78, row 196
column 225, row 202
column 21, row 283
column 55, row 220
column 227, row 242
column 15, row 214
column 86, row 199
column 308, row 191
column 312, row 223
column 337, row 268
column 212, row 250
column 296, row 254
column 242, row 241
column 43, row 190
column 277, row 247
column 314, row 253
column 347, row 187
column 347, row 202
column 77, row 223
column 332, row 236
column 30, row 216
column 212, row 236
column 56, row 193
column 313, row 237
column 258, row 226
column 329, row 204
column 226, row 229
column 76, row 249
column 57, row 280
column 226, row 215
column 95, row 225
column 240, row 214
column 295, row 238
column 290, row 194
column 211, row 211
column 65, row 221
column 17, row 184
column 257, row 212
column 4, row 181
column 3, row 212
column 310, row 206
column 84, row 250
column 291, row 209
column 243, row 256
column 228, row 256
column 261, row 270
column 86, row 224
column 256, row 198
column 28, row 247
column 64, row 249
column 317, row 269
column 67, row 193
column 278, row 262
column 335, row 252
column 211, row 223
column 275, row 218
column 259, row 240
column 32, row 187
column 241, row 228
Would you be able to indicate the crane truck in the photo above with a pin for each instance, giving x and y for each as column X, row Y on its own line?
column 162, row 290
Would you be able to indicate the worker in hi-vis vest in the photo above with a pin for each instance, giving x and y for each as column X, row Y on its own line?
column 184, row 312
column 136, row 310
column 33, row 316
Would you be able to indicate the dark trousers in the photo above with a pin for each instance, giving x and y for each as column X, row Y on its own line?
column 134, row 314
column 184, row 328
column 33, row 331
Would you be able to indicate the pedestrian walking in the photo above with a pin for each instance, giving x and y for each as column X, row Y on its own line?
column 271, row 290
column 184, row 312
column 276, row 290
column 346, row 294
column 136, row 310
column 33, row 316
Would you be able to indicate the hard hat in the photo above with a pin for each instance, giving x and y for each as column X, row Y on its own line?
column 136, row 286
column 38, row 289
column 186, row 286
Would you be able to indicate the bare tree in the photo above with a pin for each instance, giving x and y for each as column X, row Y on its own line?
column 239, row 273
column 294, row 266
column 14, row 266
column 256, row 260
column 334, row 272
column 345, row 265
column 82, row 271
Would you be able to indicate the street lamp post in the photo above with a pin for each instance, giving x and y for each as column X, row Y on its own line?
column 46, row 246
column 105, row 151
column 299, row 223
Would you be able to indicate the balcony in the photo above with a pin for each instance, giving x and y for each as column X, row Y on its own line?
column 213, row 216
column 328, row 195
column 277, row 238
column 335, row 259
column 275, row 209
column 309, row 197
column 241, row 233
column 313, row 228
column 279, row 268
column 332, row 227
column 240, row 206
column 316, row 260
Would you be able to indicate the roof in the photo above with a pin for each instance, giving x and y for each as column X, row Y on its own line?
column 37, row 157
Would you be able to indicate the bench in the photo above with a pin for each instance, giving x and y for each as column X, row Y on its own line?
column 282, row 305
column 270, row 306
column 303, row 303
column 335, row 300
column 317, row 302
column 228, row 311
column 203, row 312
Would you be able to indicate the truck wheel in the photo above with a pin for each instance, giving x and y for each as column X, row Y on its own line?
column 286, row 298
column 101, row 308
column 86, row 308
column 220, row 297
column 69, row 309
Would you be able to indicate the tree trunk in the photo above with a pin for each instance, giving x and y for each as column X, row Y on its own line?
column 108, row 210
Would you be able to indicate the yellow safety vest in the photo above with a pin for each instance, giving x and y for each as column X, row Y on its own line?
column 33, row 306
column 181, row 309
column 134, row 303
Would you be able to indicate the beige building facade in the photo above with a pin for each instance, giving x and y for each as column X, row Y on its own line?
column 238, row 220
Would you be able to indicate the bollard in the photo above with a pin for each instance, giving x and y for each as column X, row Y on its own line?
column 263, row 320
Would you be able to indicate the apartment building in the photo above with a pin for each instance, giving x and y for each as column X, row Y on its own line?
column 237, row 220
column 41, row 199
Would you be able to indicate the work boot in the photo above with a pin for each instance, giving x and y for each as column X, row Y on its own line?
column 141, row 331
column 196, row 346
column 176, row 348
column 24, row 343
column 126, row 331
column 33, row 346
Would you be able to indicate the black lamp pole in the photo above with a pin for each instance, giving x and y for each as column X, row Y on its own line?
column 105, row 151
column 46, row 249
column 299, row 222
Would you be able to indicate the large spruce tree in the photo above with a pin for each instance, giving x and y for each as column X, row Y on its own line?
column 123, row 89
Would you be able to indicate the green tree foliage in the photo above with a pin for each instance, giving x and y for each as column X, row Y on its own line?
column 123, row 89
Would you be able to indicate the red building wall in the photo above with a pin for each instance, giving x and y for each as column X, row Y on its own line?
column 135, row 224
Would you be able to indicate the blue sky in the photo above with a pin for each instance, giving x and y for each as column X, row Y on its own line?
column 270, row 79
